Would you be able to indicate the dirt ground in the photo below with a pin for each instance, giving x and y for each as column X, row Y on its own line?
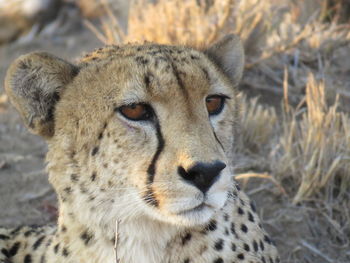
column 27, row 198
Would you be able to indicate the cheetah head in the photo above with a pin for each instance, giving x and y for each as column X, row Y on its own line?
column 136, row 130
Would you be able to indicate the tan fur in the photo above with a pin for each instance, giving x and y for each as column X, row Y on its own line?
column 106, row 168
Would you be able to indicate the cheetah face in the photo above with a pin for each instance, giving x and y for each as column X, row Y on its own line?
column 135, row 130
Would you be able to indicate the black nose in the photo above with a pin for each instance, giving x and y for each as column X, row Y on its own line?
column 202, row 175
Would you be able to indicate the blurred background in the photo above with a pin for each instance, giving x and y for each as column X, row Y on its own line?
column 293, row 157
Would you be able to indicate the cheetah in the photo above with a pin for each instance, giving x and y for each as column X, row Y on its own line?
column 141, row 135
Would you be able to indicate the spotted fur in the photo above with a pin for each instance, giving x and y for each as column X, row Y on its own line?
column 105, row 167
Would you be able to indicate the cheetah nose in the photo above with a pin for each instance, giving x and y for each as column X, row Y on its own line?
column 202, row 175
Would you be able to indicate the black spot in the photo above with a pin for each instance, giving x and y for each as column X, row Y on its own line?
column 218, row 260
column 219, row 244
column 263, row 259
column 244, row 228
column 211, row 226
column 250, row 217
column 267, row 239
column 262, row 246
column 86, row 237
column 100, row 136
column 4, row 237
column 28, row 233
column 148, row 78
column 94, row 151
column 194, row 57
column 226, row 217
column 271, row 260
column 5, row 252
column 233, row 247
column 56, row 248
column 28, row 259
column 240, row 211
column 67, row 190
column 38, row 242
column 22, row 65
column 142, row 60
column 93, row 176
column 233, row 229
column 49, row 241
column 253, row 207
column 240, row 256
column 187, row 260
column 238, row 187
column 64, row 229
column 246, row 247
column 226, row 231
column 14, row 249
column 74, row 177
column 65, row 252
column 255, row 245
column 82, row 188
column 186, row 238
column 242, row 202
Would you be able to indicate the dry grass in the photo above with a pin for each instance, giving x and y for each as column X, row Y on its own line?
column 314, row 147
column 296, row 52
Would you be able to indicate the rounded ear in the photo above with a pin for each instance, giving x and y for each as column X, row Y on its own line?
column 228, row 55
column 34, row 83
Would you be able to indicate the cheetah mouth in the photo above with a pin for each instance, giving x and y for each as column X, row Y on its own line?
column 196, row 209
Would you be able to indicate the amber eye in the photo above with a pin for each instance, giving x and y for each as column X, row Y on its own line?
column 215, row 104
column 136, row 112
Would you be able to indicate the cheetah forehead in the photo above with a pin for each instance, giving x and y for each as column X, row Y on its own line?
column 140, row 52
column 156, row 68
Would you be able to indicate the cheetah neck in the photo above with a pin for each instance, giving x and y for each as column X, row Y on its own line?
column 141, row 239
column 144, row 239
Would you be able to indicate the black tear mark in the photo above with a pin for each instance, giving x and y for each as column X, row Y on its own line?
column 149, row 197
column 151, row 169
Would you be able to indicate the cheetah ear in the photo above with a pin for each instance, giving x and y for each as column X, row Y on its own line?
column 228, row 55
column 34, row 83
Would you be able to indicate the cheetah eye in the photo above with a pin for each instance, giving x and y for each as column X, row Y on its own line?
column 215, row 104
column 136, row 112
